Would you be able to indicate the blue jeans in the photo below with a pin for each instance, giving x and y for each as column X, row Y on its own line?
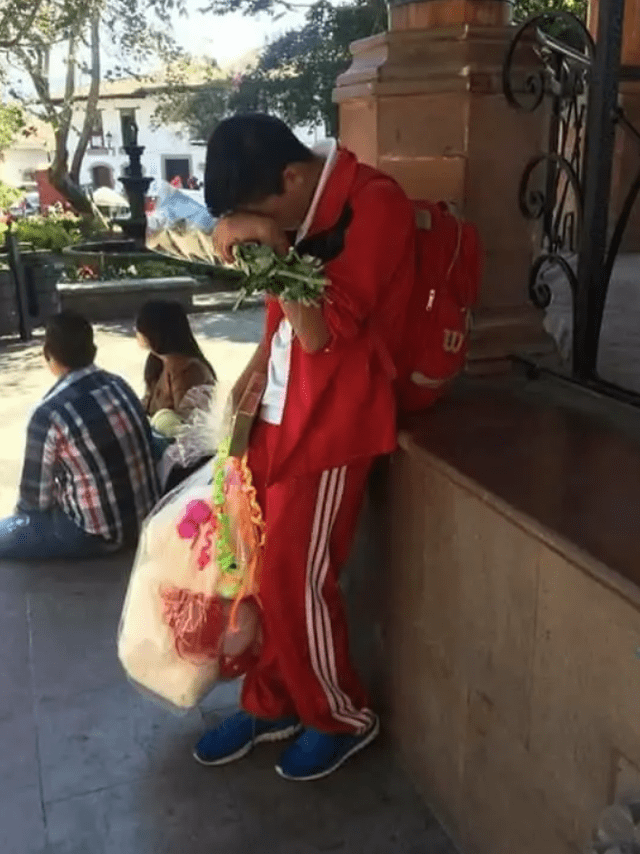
column 159, row 444
column 48, row 534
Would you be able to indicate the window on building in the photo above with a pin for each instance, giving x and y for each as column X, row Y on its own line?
column 127, row 119
column 102, row 176
column 97, row 133
column 177, row 167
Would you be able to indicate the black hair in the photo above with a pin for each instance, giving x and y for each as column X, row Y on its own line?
column 246, row 156
column 166, row 327
column 68, row 338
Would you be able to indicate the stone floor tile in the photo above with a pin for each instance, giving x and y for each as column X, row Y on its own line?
column 15, row 672
column 18, row 753
column 21, row 822
column 365, row 807
column 112, row 735
column 160, row 815
column 74, row 625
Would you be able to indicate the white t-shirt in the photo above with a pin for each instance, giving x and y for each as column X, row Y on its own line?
column 275, row 393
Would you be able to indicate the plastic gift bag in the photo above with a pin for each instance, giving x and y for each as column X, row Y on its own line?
column 191, row 615
column 181, row 227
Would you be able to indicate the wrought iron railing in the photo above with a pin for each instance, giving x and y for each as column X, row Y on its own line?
column 552, row 60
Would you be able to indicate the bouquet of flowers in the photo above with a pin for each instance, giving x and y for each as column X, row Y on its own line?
column 294, row 277
column 191, row 616
column 182, row 228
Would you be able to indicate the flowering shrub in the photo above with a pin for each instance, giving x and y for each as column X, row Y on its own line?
column 113, row 270
column 54, row 230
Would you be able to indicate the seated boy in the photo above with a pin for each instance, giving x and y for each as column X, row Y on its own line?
column 88, row 478
column 328, row 410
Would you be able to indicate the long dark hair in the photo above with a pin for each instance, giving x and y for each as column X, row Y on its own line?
column 166, row 327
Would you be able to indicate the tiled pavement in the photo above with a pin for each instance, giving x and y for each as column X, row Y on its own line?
column 90, row 767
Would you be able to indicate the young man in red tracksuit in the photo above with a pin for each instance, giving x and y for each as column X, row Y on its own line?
column 327, row 412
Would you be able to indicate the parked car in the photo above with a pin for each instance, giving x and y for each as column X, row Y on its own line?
column 28, row 205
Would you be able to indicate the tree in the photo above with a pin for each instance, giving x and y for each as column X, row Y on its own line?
column 32, row 30
column 12, row 121
column 294, row 76
column 296, row 73
column 526, row 8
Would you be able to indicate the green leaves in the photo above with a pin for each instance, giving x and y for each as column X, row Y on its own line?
column 291, row 277
column 295, row 74
column 12, row 121
column 523, row 9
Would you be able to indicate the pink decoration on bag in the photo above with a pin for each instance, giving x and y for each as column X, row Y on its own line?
column 198, row 513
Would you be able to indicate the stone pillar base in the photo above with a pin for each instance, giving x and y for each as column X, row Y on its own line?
column 427, row 107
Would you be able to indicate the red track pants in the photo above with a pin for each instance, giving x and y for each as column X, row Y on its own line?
column 304, row 667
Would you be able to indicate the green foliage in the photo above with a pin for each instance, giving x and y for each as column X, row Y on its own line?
column 197, row 110
column 297, row 72
column 523, row 9
column 128, row 268
column 289, row 277
column 38, row 36
column 8, row 195
column 11, row 122
column 53, row 231
column 294, row 76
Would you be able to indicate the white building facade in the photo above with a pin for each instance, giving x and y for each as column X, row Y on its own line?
column 26, row 155
column 167, row 150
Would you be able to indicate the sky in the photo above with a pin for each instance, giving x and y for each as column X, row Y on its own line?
column 228, row 37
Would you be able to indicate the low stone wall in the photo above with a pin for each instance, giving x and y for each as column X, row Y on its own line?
column 122, row 299
column 500, row 555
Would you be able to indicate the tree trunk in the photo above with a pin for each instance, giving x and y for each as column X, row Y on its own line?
column 92, row 100
column 59, row 174
column 60, row 178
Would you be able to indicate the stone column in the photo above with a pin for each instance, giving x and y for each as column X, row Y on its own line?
column 424, row 103
column 627, row 157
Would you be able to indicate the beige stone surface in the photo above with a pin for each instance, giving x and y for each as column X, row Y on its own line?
column 426, row 689
column 428, row 177
column 586, row 682
column 514, row 667
column 438, row 125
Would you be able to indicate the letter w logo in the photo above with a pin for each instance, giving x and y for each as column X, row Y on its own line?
column 452, row 340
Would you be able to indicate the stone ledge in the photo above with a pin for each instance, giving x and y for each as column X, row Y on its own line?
column 123, row 298
column 546, row 463
column 512, row 624
column 128, row 285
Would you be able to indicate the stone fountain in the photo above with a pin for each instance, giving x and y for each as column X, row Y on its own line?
column 132, row 242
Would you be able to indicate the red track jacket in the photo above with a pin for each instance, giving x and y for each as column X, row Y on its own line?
column 340, row 403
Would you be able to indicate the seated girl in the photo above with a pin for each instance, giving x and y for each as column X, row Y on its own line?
column 178, row 377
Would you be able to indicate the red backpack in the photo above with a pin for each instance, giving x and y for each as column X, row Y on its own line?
column 435, row 339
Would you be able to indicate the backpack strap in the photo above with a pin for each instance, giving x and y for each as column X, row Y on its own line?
column 382, row 351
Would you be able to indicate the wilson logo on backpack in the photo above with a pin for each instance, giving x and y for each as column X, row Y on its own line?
column 435, row 340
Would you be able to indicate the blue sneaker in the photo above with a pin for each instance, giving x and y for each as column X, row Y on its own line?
column 317, row 754
column 234, row 737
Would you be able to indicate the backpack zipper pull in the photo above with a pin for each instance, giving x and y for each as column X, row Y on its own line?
column 430, row 301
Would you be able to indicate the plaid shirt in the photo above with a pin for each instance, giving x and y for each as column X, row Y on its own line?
column 88, row 451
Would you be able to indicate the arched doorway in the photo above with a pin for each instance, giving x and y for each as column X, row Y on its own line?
column 102, row 176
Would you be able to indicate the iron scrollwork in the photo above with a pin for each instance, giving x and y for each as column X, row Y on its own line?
column 550, row 58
